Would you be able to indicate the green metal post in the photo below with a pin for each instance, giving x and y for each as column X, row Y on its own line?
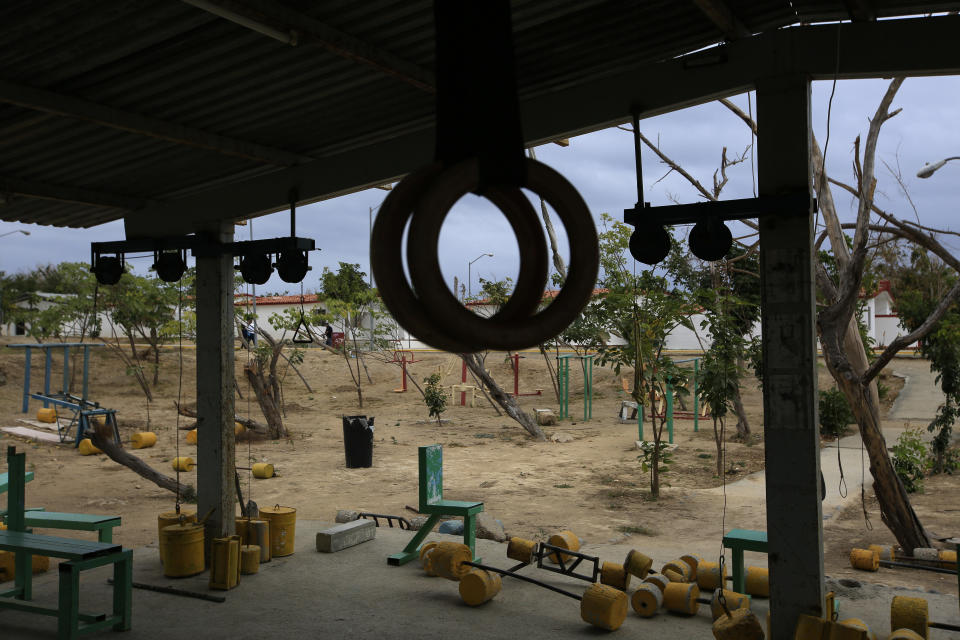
column 588, row 391
column 640, row 421
column 696, row 396
column 669, row 410
column 26, row 381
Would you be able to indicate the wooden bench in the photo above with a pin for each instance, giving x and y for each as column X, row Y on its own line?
column 738, row 541
column 5, row 480
column 79, row 555
column 433, row 503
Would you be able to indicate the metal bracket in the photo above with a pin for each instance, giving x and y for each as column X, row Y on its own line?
column 201, row 247
column 547, row 549
column 740, row 209
column 402, row 522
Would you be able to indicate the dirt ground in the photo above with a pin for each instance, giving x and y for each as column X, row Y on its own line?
column 592, row 483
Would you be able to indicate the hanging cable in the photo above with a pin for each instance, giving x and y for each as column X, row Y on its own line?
column 842, row 485
column 826, row 143
column 863, row 491
column 179, row 384
column 753, row 146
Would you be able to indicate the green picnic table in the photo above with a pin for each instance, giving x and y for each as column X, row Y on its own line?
column 738, row 541
column 5, row 480
column 103, row 525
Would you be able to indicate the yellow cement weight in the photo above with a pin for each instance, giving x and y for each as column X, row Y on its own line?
column 758, row 582
column 647, row 600
column 192, row 436
column 638, row 564
column 168, row 518
column 710, row 576
column 262, row 470
column 910, row 613
column 565, row 540
column 733, row 599
column 679, row 567
column 258, row 533
column 681, row 597
column 521, row 550
column 864, row 559
column 948, row 559
column 249, row 559
column 424, row 550
column 808, row 627
column 673, row 576
column 926, row 553
column 658, row 580
column 86, row 448
column 615, row 575
column 604, row 607
column 283, row 529
column 143, row 439
column 885, row 551
column 238, row 428
column 478, row 586
column 47, row 415
column 741, row 624
column 182, row 548
column 904, row 634
column 447, row 562
column 855, row 624
column 693, row 561
column 183, row 463
column 225, row 563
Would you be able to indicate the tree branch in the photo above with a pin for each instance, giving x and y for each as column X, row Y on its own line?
column 737, row 111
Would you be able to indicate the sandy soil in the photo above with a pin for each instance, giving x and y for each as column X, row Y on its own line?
column 592, row 484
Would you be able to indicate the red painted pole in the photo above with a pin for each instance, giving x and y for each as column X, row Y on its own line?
column 403, row 365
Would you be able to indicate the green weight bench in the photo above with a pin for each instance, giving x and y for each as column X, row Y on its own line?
column 738, row 541
column 79, row 555
column 433, row 503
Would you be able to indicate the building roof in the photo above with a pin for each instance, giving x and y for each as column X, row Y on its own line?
column 242, row 300
column 171, row 115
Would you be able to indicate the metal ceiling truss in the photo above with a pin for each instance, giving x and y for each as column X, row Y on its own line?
column 866, row 50
column 72, row 107
column 720, row 14
column 300, row 29
column 10, row 185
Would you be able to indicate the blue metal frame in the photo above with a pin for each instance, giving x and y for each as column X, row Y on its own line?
column 48, row 361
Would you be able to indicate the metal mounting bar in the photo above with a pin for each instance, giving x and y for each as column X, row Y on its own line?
column 564, row 569
column 201, row 247
column 782, row 205
column 402, row 522
column 504, row 572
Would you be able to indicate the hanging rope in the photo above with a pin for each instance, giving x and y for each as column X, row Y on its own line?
column 842, row 485
column 863, row 491
column 179, row 383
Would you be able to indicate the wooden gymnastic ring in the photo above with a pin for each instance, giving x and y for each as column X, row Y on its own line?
column 387, row 265
column 386, row 259
column 500, row 333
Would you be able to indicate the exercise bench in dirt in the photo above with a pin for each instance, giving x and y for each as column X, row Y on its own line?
column 78, row 555
column 433, row 503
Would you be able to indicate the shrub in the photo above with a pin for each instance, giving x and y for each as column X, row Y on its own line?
column 434, row 397
column 910, row 460
column 835, row 413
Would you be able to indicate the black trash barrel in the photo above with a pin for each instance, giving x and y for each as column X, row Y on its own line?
column 358, row 441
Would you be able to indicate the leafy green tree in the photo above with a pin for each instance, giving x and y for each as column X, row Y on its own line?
column 642, row 309
column 434, row 397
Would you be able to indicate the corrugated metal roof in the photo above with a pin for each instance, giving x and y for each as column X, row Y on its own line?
column 235, row 103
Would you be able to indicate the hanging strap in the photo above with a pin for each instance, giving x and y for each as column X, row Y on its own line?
column 478, row 113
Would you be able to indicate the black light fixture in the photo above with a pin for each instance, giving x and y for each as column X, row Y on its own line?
column 255, row 268
column 170, row 265
column 649, row 243
column 710, row 239
column 292, row 265
column 108, row 269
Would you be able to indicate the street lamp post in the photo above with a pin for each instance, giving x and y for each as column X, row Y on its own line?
column 469, row 277
column 26, row 233
column 929, row 169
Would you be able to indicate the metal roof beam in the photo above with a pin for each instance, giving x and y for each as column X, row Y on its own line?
column 10, row 185
column 307, row 30
column 71, row 107
column 720, row 14
column 867, row 50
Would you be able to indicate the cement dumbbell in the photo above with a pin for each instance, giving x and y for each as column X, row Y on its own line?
column 601, row 605
column 682, row 597
column 914, row 614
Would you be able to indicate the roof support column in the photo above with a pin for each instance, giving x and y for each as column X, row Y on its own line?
column 794, row 520
column 215, row 382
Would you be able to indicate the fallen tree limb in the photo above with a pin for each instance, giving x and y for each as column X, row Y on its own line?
column 102, row 438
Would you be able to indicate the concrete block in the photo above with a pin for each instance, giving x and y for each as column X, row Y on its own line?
column 347, row 515
column 346, row 535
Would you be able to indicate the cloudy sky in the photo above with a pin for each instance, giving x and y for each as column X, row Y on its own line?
column 601, row 166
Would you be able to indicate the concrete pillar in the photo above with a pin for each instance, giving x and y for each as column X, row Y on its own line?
column 215, row 380
column 790, row 399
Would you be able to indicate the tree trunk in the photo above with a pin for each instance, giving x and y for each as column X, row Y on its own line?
column 249, row 423
column 506, row 401
column 846, row 360
column 156, row 356
column 553, row 375
column 267, row 400
column 102, row 438
column 743, row 425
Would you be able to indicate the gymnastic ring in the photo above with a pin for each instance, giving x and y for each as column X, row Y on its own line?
column 503, row 334
column 387, row 265
column 386, row 260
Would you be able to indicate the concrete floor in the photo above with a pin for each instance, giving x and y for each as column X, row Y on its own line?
column 354, row 593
